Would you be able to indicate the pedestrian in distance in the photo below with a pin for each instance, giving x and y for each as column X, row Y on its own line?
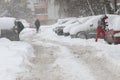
column 37, row 25
column 101, row 27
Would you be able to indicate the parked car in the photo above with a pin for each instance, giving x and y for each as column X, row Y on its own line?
column 68, row 27
column 113, row 36
column 77, row 22
column 85, row 30
column 59, row 30
column 8, row 29
column 62, row 24
column 7, row 25
column 117, row 38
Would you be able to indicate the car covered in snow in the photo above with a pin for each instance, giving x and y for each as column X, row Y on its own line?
column 85, row 30
column 74, row 24
column 59, row 30
column 69, row 26
column 8, row 27
column 117, row 38
column 61, row 24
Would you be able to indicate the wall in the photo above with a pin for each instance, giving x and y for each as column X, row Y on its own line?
column 53, row 10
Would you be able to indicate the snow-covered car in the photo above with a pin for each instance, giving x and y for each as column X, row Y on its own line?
column 59, row 30
column 88, row 28
column 61, row 24
column 77, row 22
column 8, row 28
column 68, row 27
column 85, row 30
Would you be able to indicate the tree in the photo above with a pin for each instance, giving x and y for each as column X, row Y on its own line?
column 90, row 7
column 80, row 7
column 16, row 8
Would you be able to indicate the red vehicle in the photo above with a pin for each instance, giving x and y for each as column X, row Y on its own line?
column 113, row 36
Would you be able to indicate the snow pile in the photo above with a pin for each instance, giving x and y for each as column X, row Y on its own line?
column 71, row 68
column 112, row 51
column 66, row 65
column 27, row 32
column 14, row 56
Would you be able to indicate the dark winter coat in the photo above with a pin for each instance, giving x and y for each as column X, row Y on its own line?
column 37, row 25
column 20, row 26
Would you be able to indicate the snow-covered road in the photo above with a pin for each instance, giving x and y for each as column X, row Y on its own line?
column 56, row 60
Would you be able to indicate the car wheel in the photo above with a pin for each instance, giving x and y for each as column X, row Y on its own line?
column 81, row 35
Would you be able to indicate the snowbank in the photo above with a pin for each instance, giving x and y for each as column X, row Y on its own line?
column 14, row 56
column 66, row 64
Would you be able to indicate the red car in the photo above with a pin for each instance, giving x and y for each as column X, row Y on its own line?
column 113, row 36
column 117, row 37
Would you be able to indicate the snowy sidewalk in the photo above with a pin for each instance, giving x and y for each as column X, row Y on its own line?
column 56, row 59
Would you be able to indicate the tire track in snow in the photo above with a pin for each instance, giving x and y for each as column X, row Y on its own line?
column 100, row 67
column 45, row 57
column 54, row 62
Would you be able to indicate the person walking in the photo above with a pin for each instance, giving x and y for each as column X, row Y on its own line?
column 101, row 27
column 37, row 25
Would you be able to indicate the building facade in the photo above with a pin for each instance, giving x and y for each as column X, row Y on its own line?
column 44, row 10
column 40, row 10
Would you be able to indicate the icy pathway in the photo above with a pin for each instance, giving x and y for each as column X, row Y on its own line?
column 56, row 60
column 100, row 66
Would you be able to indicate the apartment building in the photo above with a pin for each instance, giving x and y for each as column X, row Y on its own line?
column 40, row 10
column 44, row 10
